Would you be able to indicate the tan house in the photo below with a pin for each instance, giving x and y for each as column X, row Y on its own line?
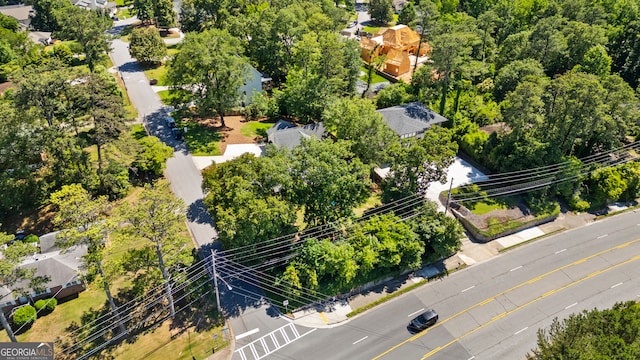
column 396, row 44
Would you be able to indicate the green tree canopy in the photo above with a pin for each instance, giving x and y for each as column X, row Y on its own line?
column 356, row 120
column 327, row 180
column 158, row 218
column 146, row 45
column 381, row 11
column 209, row 65
column 595, row 334
column 418, row 162
column 83, row 222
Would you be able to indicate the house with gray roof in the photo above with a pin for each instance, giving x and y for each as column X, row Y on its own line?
column 62, row 269
column 411, row 120
column 289, row 135
column 19, row 12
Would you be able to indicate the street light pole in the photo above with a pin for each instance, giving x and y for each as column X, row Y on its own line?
column 448, row 197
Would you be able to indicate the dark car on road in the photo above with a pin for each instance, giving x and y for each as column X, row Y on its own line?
column 423, row 321
column 176, row 134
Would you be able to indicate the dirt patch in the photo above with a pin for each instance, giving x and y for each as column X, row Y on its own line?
column 230, row 132
column 37, row 222
column 5, row 85
column 169, row 33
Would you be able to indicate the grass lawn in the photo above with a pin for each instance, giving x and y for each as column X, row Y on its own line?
column 158, row 344
column 48, row 327
column 123, row 13
column 159, row 73
column 201, row 140
column 372, row 201
column 171, row 50
column 481, row 208
column 375, row 78
column 165, row 96
column 371, row 29
column 255, row 128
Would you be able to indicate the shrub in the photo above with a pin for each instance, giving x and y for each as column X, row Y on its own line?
column 24, row 315
column 47, row 304
column 31, row 238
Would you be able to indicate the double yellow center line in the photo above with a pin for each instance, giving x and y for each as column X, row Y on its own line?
column 528, row 282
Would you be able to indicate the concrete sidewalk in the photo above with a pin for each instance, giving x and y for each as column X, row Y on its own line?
column 335, row 314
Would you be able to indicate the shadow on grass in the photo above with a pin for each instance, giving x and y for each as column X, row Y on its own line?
column 142, row 315
column 202, row 140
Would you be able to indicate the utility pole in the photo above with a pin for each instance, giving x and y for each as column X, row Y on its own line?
column 448, row 197
column 215, row 279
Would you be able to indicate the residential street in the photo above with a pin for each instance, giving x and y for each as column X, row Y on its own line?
column 181, row 171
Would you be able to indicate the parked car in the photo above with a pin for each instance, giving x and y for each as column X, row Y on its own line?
column 352, row 24
column 153, row 81
column 423, row 321
column 176, row 134
column 170, row 122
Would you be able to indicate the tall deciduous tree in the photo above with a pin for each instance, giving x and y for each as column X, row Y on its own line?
column 356, row 120
column 439, row 233
column 88, row 28
column 146, row 45
column 408, row 14
column 594, row 334
column 328, row 181
column 83, row 222
column 153, row 157
column 41, row 90
column 512, row 74
column 417, row 163
column 450, row 52
column 160, row 11
column 106, row 110
column 246, row 198
column 427, row 13
column 381, row 10
column 210, row 66
column 158, row 217
column 20, row 144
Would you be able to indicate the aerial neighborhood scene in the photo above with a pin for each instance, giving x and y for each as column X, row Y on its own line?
column 315, row 179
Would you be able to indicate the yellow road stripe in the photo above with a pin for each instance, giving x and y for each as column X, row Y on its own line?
column 323, row 317
column 495, row 318
column 488, row 300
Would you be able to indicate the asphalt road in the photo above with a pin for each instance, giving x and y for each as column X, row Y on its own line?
column 490, row 310
column 185, row 178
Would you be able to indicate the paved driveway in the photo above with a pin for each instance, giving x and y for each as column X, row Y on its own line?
column 462, row 173
column 185, row 178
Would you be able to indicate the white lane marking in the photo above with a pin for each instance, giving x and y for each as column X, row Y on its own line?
column 415, row 312
column 616, row 285
column 471, row 358
column 267, row 351
column 521, row 330
column 469, row 288
column 360, row 340
column 248, row 333
column 516, row 268
column 570, row 306
column 559, row 251
column 602, row 236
